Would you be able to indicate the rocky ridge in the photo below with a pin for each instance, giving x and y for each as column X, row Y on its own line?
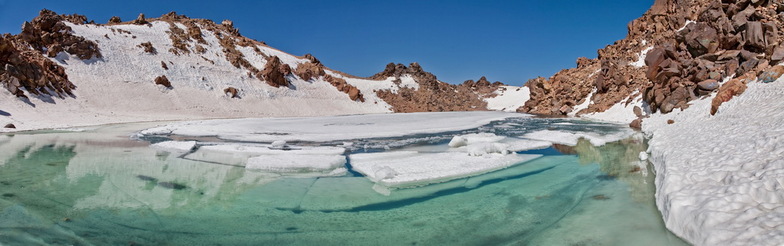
column 49, row 35
column 434, row 95
column 24, row 58
column 676, row 52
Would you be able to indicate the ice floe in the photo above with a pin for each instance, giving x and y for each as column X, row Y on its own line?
column 409, row 168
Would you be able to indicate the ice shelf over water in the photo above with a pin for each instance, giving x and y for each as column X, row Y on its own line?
column 331, row 128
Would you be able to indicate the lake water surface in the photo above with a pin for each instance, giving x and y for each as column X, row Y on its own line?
column 100, row 187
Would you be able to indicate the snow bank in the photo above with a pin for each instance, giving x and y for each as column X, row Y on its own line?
column 410, row 168
column 621, row 112
column 321, row 129
column 109, row 88
column 508, row 98
column 720, row 179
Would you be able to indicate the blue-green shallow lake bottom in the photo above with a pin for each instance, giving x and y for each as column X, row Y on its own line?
column 100, row 188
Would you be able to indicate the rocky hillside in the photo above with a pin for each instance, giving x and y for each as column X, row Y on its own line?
column 177, row 67
column 677, row 51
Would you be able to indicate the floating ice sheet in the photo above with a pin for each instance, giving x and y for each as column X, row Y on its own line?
column 410, row 168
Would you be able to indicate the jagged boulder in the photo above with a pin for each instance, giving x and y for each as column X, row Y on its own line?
column 115, row 20
column 163, row 80
column 309, row 70
column 140, row 20
column 275, row 72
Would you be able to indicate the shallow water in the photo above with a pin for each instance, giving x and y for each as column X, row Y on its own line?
column 99, row 187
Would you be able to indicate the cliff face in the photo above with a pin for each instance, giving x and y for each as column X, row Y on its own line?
column 677, row 51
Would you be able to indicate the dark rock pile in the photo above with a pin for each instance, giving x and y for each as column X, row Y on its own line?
column 432, row 94
column 694, row 45
column 23, row 57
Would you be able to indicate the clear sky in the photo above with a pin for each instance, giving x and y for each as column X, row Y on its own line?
column 508, row 41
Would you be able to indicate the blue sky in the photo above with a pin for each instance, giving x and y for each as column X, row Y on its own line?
column 508, row 41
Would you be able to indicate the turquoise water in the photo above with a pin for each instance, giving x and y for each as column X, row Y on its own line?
column 99, row 187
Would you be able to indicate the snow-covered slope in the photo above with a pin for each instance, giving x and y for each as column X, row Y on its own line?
column 119, row 86
column 508, row 98
column 720, row 179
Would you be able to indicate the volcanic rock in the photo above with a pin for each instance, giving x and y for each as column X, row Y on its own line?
column 147, row 46
column 708, row 85
column 433, row 95
column 772, row 74
column 162, row 80
column 275, row 72
column 231, row 91
column 140, row 20
column 309, row 70
column 730, row 89
column 115, row 20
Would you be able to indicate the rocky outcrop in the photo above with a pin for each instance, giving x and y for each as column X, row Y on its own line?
column 309, row 70
column 147, row 46
column 691, row 45
column 353, row 92
column 432, row 94
column 275, row 72
column 115, row 20
column 24, row 65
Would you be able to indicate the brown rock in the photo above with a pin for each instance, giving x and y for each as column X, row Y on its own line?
column 701, row 38
column 583, row 62
column 730, row 89
column 636, row 124
column 754, row 36
column 778, row 55
column 309, row 70
column 312, row 59
column 162, row 80
column 114, row 20
column 708, row 85
column 140, row 20
column 163, row 65
column 670, row 122
column 637, row 111
column 772, row 74
column 272, row 72
column 147, row 46
column 231, row 91
column 9, row 125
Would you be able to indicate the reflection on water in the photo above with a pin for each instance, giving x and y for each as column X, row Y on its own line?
column 100, row 188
